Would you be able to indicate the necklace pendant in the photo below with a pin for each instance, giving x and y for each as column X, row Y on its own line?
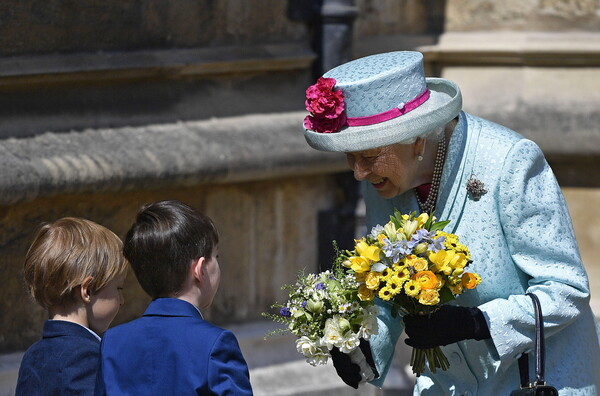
column 476, row 188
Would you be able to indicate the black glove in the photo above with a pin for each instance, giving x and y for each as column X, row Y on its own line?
column 447, row 325
column 348, row 371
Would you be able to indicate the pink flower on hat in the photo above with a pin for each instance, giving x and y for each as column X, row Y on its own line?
column 326, row 107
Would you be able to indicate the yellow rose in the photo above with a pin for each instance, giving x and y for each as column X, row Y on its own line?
column 365, row 294
column 360, row 276
column 418, row 263
column 372, row 280
column 429, row 297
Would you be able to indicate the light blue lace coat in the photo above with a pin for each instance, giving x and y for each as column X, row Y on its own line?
column 521, row 240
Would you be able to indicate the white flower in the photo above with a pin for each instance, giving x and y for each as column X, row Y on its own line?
column 345, row 308
column 349, row 343
column 332, row 335
column 320, row 357
column 391, row 231
column 306, row 346
column 369, row 324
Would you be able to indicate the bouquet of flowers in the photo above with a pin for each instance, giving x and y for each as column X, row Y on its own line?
column 323, row 311
column 411, row 263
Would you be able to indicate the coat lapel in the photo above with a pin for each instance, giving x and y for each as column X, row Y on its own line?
column 457, row 171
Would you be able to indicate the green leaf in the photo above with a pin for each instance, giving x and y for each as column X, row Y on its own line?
column 446, row 294
column 439, row 225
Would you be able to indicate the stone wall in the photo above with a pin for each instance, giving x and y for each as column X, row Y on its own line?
column 106, row 105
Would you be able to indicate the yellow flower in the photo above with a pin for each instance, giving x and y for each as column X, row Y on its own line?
column 456, row 289
column 412, row 288
column 360, row 264
column 470, row 280
column 394, row 285
column 459, row 260
column 422, row 219
column 385, row 294
column 429, row 297
column 421, row 248
column 441, row 260
column 440, row 281
column 390, row 230
column 418, row 263
column 451, row 239
column 401, row 272
column 370, row 252
column 409, row 228
column 426, row 279
column 361, row 276
column 386, row 274
column 372, row 280
column 365, row 294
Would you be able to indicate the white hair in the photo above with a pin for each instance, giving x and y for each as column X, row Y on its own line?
column 434, row 135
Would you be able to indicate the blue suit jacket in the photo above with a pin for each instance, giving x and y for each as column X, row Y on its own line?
column 63, row 362
column 171, row 350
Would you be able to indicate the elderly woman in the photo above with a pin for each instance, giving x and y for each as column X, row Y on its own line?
column 407, row 139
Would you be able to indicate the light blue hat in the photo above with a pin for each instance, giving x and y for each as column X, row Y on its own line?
column 376, row 101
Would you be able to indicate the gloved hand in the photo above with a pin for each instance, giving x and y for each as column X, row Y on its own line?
column 349, row 371
column 447, row 325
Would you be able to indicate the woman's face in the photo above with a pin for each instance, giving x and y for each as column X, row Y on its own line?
column 392, row 170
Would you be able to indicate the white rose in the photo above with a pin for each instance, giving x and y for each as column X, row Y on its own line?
column 306, row 346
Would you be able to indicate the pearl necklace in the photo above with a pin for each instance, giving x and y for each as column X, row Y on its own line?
column 429, row 204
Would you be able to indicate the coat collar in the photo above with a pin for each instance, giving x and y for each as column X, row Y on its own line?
column 61, row 328
column 172, row 307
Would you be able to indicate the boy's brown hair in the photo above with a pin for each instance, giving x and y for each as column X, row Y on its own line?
column 67, row 251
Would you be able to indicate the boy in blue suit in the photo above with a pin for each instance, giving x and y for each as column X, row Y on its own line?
column 75, row 269
column 171, row 349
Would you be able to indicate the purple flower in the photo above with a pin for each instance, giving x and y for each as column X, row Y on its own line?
column 285, row 311
column 321, row 286
column 396, row 250
column 438, row 244
column 434, row 244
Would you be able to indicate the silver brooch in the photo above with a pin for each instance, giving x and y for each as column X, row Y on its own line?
column 475, row 188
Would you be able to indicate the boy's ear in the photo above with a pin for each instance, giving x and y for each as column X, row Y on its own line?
column 85, row 289
column 197, row 268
